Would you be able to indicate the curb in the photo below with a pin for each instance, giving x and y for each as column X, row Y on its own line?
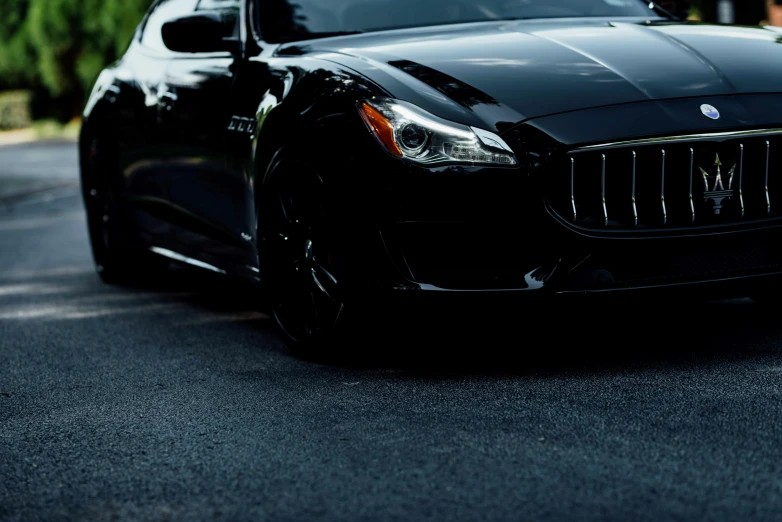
column 16, row 137
column 12, row 138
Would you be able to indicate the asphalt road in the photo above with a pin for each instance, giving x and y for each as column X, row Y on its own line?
column 36, row 166
column 179, row 402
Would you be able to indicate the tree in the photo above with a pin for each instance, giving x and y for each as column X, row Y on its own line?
column 60, row 46
column 17, row 57
column 75, row 39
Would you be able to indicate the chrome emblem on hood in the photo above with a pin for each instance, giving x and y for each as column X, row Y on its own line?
column 710, row 111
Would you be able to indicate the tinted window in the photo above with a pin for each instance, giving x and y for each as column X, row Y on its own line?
column 286, row 20
column 162, row 12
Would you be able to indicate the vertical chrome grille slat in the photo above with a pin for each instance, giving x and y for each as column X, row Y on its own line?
column 741, row 180
column 573, row 187
column 692, row 165
column 768, row 159
column 662, row 190
column 635, row 208
column 603, row 190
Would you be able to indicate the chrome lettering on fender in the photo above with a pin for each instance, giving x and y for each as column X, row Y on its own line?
column 243, row 125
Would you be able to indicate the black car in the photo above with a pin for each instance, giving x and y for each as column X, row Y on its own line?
column 348, row 152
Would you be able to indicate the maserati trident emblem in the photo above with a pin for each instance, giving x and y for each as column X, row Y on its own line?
column 716, row 191
column 710, row 111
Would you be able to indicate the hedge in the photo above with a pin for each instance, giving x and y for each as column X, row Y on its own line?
column 15, row 110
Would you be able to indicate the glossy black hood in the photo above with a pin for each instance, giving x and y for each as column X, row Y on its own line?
column 500, row 74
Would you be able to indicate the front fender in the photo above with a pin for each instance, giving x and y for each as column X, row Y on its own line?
column 311, row 105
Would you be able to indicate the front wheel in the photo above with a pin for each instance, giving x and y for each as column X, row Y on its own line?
column 306, row 268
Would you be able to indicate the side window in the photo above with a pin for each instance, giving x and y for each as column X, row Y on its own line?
column 162, row 12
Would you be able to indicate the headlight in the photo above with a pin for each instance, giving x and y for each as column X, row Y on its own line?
column 409, row 132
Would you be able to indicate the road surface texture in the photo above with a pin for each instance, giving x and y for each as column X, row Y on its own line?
column 36, row 166
column 178, row 401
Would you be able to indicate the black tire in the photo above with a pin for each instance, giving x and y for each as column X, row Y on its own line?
column 767, row 298
column 114, row 262
column 306, row 265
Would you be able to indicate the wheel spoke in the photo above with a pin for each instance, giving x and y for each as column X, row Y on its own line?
column 324, row 280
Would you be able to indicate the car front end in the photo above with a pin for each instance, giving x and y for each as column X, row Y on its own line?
column 591, row 205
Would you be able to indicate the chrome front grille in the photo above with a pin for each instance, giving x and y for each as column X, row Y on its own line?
column 679, row 182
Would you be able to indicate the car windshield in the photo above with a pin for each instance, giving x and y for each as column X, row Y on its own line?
column 291, row 20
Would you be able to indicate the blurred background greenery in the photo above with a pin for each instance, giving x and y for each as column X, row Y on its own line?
column 51, row 51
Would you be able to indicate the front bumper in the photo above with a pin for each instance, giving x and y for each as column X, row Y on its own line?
column 459, row 258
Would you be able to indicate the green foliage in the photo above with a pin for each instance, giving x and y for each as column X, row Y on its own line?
column 58, row 47
column 17, row 57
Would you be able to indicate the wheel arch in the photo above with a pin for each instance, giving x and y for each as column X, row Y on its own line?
column 310, row 108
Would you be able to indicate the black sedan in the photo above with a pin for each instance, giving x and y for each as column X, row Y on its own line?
column 350, row 152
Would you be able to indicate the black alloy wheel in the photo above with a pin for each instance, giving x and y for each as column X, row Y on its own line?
column 303, row 267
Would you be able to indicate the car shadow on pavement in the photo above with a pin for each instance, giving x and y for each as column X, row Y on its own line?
column 556, row 340
column 436, row 344
column 504, row 340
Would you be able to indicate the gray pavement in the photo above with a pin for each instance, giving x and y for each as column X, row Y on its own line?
column 178, row 401
column 36, row 166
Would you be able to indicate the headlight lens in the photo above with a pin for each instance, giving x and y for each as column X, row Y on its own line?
column 409, row 132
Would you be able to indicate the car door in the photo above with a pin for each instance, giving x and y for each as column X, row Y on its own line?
column 254, row 93
column 195, row 121
column 142, row 151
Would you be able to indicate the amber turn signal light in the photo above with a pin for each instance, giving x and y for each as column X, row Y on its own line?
column 380, row 127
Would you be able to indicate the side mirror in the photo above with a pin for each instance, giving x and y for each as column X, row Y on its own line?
column 205, row 32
